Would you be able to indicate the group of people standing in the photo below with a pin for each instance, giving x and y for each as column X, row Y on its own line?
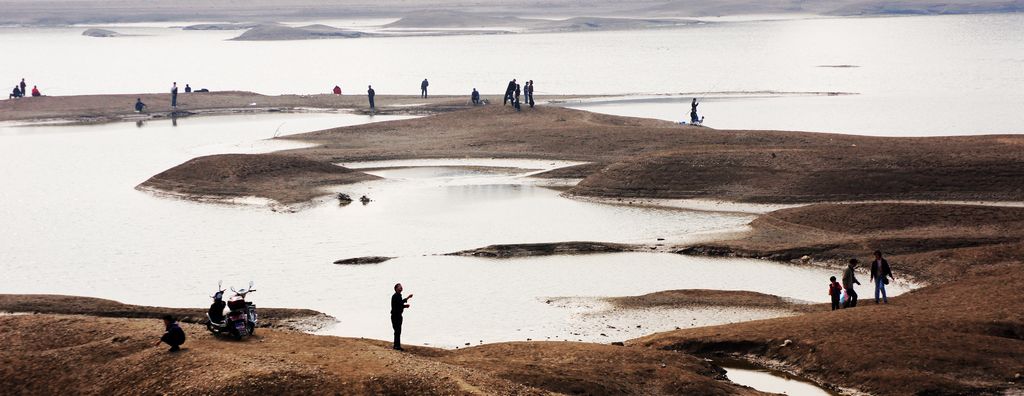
column 20, row 92
column 881, row 273
column 513, row 92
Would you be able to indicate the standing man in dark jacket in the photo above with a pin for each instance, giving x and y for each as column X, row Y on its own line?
column 529, row 93
column 173, row 334
column 370, row 94
column 23, row 85
column 879, row 270
column 174, row 95
column 398, row 305
column 508, row 92
column 423, row 87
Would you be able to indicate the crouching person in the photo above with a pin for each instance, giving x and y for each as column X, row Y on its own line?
column 173, row 336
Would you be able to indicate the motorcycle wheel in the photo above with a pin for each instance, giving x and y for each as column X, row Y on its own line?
column 236, row 334
column 250, row 328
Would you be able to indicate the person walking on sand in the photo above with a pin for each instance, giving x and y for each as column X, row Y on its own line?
column 834, row 290
column 398, row 306
column 139, row 105
column 849, row 279
column 423, row 87
column 174, row 95
column 370, row 94
column 475, row 97
column 173, row 334
column 508, row 92
column 879, row 270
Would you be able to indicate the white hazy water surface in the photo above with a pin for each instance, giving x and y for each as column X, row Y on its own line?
column 913, row 76
column 74, row 224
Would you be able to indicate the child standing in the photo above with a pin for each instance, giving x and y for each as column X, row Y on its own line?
column 834, row 290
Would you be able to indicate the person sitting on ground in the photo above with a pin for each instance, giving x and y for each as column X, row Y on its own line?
column 35, row 92
column 139, row 105
column 849, row 279
column 16, row 93
column 337, row 90
column 879, row 270
column 475, row 97
column 834, row 291
column 188, row 89
column 173, row 335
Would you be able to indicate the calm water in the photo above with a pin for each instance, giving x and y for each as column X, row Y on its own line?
column 74, row 224
column 916, row 75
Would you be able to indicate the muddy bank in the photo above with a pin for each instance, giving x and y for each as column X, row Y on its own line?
column 114, row 356
column 280, row 318
column 286, row 179
column 363, row 260
column 108, row 108
column 545, row 249
column 955, row 338
column 698, row 298
column 933, row 243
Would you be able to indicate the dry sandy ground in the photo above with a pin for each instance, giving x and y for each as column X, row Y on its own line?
column 930, row 242
column 48, row 354
column 284, row 318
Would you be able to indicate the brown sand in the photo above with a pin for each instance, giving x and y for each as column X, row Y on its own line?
column 287, row 179
column 48, row 354
column 701, row 298
column 282, row 318
column 930, row 242
column 545, row 249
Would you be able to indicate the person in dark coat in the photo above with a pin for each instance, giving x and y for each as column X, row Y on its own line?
column 139, row 105
column 475, row 97
column 188, row 89
column 693, row 112
column 529, row 93
column 423, row 87
column 370, row 93
column 879, row 271
column 23, row 85
column 173, row 336
column 15, row 93
column 508, row 92
column 398, row 306
column 174, row 95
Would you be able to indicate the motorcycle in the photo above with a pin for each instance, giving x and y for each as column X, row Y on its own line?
column 241, row 319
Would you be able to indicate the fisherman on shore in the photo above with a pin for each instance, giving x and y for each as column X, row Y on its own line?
column 174, row 95
column 879, row 271
column 139, row 105
column 475, row 97
column 693, row 112
column 849, row 279
column 370, row 94
column 508, row 92
column 173, row 334
column 423, row 87
column 398, row 306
